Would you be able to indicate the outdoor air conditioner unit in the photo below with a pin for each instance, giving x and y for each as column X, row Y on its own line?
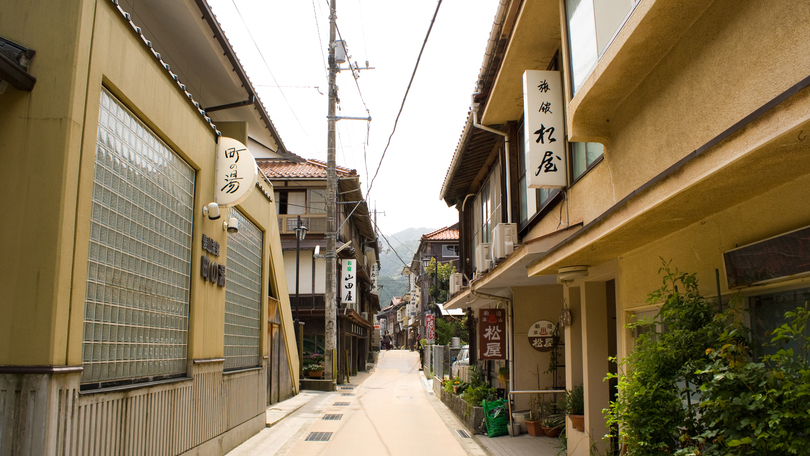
column 482, row 257
column 455, row 283
column 504, row 238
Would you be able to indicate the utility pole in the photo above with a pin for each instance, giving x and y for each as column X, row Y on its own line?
column 330, row 312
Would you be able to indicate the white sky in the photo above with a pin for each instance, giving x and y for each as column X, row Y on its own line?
column 388, row 35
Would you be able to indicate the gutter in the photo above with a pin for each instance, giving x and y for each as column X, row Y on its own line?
column 505, row 135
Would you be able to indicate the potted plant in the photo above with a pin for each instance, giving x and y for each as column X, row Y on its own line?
column 553, row 424
column 313, row 370
column 574, row 401
column 533, row 423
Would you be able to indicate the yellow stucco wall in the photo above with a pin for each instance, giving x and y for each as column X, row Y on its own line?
column 53, row 132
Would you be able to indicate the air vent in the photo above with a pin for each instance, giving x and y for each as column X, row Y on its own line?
column 319, row 437
column 463, row 434
column 341, row 404
column 347, row 394
column 346, row 387
column 333, row 417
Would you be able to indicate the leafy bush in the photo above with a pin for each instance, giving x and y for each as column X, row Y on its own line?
column 694, row 389
column 573, row 402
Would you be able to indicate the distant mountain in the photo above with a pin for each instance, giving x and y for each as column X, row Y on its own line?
column 402, row 247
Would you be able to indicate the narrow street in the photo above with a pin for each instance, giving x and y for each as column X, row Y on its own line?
column 389, row 411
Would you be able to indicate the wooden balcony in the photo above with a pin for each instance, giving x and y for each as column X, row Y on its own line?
column 315, row 223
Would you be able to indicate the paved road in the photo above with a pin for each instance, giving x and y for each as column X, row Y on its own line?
column 389, row 412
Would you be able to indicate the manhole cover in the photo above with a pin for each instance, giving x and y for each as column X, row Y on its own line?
column 333, row 417
column 341, row 404
column 319, row 437
column 463, row 434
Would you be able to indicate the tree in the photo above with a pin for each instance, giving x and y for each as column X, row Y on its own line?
column 444, row 280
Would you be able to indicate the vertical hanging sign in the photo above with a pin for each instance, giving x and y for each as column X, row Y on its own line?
column 430, row 327
column 491, row 334
column 236, row 172
column 544, row 129
column 348, row 293
column 375, row 274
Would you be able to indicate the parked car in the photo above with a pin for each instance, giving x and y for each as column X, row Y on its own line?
column 461, row 360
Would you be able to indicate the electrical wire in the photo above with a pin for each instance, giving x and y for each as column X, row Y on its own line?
column 390, row 246
column 320, row 40
column 261, row 54
column 405, row 97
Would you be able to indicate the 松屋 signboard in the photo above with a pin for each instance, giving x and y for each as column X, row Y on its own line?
column 236, row 172
column 541, row 335
column 348, row 293
column 544, row 129
column 430, row 328
column 491, row 334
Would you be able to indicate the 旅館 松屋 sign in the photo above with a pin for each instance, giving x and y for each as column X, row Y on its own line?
column 545, row 129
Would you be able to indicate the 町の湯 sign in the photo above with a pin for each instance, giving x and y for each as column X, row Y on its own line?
column 491, row 334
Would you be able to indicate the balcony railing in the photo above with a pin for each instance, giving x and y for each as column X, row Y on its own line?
column 315, row 223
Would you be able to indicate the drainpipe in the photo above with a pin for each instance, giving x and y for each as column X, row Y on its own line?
column 511, row 315
column 474, row 109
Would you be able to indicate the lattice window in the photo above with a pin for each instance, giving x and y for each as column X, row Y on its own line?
column 139, row 259
column 243, row 288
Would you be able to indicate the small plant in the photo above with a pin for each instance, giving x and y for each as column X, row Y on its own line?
column 573, row 401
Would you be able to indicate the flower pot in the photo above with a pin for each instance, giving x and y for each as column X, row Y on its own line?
column 315, row 374
column 534, row 428
column 552, row 431
column 455, row 389
column 578, row 421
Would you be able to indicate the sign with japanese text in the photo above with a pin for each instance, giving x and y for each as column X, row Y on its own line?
column 414, row 302
column 236, row 172
column 544, row 129
column 491, row 334
column 375, row 273
column 430, row 328
column 541, row 335
column 348, row 292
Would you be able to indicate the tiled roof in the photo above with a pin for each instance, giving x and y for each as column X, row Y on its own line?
column 442, row 234
column 275, row 168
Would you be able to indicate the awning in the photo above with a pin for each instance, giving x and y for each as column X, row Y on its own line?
column 511, row 272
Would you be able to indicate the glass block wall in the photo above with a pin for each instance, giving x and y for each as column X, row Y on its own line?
column 243, row 290
column 139, row 260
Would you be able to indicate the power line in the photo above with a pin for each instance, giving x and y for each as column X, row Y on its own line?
column 283, row 95
column 405, row 97
column 320, row 40
column 391, row 247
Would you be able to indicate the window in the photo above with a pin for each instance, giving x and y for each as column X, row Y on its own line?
column 768, row 313
column 139, row 257
column 243, row 305
column 592, row 24
column 449, row 251
column 317, row 201
column 293, row 202
column 583, row 157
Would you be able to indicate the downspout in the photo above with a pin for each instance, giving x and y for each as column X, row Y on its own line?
column 510, row 311
column 474, row 108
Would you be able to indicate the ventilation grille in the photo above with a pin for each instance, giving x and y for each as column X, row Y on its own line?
column 333, row 417
column 341, row 404
column 347, row 394
column 346, row 387
column 319, row 437
column 461, row 433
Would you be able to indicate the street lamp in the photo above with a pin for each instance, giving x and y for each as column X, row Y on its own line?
column 300, row 234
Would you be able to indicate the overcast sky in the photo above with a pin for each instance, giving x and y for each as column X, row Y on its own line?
column 283, row 47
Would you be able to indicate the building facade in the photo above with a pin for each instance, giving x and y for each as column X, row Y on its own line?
column 670, row 144
column 138, row 316
column 300, row 192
